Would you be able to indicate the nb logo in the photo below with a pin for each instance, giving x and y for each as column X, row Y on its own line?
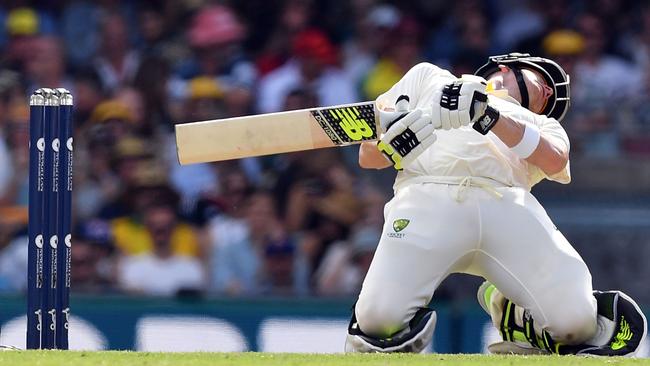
column 486, row 121
column 352, row 124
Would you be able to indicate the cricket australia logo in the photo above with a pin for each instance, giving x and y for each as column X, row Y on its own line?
column 398, row 226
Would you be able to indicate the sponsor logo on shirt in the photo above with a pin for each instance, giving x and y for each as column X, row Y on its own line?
column 398, row 226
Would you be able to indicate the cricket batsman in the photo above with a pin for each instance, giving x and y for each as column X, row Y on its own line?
column 468, row 151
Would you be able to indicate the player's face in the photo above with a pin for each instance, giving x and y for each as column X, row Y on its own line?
column 538, row 91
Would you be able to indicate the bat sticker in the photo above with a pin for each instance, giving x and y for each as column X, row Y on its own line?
column 345, row 125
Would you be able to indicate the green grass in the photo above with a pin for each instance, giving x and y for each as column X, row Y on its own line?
column 46, row 358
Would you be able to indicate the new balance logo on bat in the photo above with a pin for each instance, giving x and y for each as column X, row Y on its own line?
column 344, row 125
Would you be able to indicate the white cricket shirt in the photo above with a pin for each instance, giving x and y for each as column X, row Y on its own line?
column 464, row 152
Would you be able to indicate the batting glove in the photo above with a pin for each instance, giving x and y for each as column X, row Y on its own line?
column 462, row 102
column 407, row 133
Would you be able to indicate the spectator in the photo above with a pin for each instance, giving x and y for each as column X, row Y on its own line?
column 312, row 67
column 632, row 113
column 446, row 42
column 152, row 82
column 159, row 38
column 130, row 232
column 346, row 262
column 111, row 120
column 45, row 64
column 80, row 28
column 93, row 257
column 88, row 94
column 294, row 17
column 227, row 198
column 14, row 185
column 638, row 44
column 372, row 29
column 204, row 101
column 345, row 265
column 13, row 255
column 592, row 125
column 10, row 140
column 117, row 62
column 22, row 25
column 216, row 37
column 518, row 20
column 401, row 52
column 268, row 233
column 161, row 271
column 251, row 254
column 98, row 185
column 132, row 99
column 322, row 208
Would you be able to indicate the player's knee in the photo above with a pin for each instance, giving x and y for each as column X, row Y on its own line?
column 575, row 325
column 379, row 319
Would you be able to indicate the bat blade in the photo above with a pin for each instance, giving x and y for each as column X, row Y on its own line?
column 275, row 133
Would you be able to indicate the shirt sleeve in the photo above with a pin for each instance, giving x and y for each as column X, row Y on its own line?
column 412, row 83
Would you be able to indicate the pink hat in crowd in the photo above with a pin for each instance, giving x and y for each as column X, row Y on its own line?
column 214, row 25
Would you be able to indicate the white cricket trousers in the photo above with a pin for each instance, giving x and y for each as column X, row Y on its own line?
column 509, row 240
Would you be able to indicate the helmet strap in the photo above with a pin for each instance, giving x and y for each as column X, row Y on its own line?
column 522, row 86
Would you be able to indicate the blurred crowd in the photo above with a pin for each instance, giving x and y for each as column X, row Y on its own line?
column 296, row 224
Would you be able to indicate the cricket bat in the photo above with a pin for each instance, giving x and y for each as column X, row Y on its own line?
column 275, row 133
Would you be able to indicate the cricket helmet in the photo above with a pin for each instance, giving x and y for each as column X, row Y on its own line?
column 556, row 78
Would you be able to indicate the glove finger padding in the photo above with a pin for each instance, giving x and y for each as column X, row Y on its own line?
column 422, row 122
column 436, row 119
column 428, row 140
column 445, row 119
column 456, row 101
column 403, row 137
column 423, row 133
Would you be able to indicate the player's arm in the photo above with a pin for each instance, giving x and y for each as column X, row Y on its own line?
column 465, row 101
column 371, row 158
column 548, row 154
column 405, row 135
